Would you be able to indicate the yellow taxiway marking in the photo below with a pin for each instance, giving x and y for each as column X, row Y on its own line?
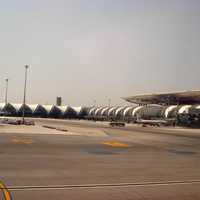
column 21, row 141
column 116, row 144
column 4, row 190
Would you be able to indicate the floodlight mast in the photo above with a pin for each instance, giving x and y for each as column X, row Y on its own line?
column 24, row 99
column 6, row 93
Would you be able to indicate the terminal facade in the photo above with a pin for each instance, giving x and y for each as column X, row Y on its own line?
column 181, row 108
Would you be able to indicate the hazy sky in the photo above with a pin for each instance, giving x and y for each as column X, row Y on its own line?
column 98, row 49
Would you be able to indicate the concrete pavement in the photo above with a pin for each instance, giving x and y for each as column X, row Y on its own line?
column 35, row 156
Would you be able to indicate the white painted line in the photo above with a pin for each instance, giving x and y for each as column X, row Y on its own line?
column 97, row 186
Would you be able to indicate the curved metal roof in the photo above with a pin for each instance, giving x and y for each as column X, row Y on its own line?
column 169, row 109
column 97, row 110
column 112, row 109
column 135, row 110
column 48, row 108
column 184, row 109
column 17, row 106
column 91, row 110
column 198, row 107
column 77, row 109
column 2, row 106
column 173, row 98
column 33, row 107
column 104, row 110
column 127, row 109
column 63, row 109
column 119, row 109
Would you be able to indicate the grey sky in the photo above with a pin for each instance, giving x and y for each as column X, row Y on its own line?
column 98, row 49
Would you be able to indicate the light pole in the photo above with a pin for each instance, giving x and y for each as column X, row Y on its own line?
column 6, row 94
column 94, row 102
column 109, row 102
column 24, row 100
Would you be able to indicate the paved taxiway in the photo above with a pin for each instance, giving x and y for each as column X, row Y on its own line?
column 93, row 161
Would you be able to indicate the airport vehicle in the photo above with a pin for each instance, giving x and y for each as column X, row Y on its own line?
column 153, row 122
column 119, row 124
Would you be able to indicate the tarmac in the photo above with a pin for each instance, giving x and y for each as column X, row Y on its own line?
column 87, row 160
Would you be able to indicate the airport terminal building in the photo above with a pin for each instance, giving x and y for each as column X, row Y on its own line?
column 42, row 111
column 176, row 108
